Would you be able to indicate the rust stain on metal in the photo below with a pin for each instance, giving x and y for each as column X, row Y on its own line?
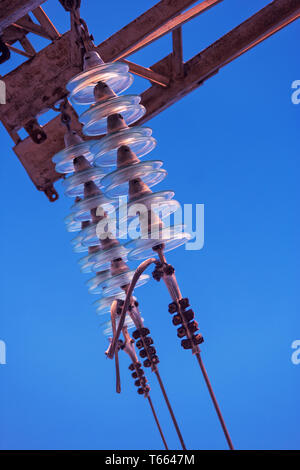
column 40, row 82
column 45, row 77
column 37, row 158
column 11, row 11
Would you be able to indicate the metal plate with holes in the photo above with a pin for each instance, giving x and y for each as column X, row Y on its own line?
column 37, row 158
column 40, row 82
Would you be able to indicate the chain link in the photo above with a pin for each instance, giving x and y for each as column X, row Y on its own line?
column 83, row 37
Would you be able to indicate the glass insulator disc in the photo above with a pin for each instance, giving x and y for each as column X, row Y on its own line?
column 115, row 75
column 160, row 203
column 95, row 118
column 95, row 283
column 74, row 184
column 81, row 210
column 137, row 138
column 172, row 237
column 113, row 284
column 116, row 183
column 71, row 224
column 108, row 326
column 103, row 305
column 77, row 245
column 89, row 235
column 106, row 256
column 86, row 265
column 64, row 158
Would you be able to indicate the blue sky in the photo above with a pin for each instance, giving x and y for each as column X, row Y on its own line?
column 231, row 145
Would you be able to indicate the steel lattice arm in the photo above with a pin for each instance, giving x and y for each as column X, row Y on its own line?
column 47, row 73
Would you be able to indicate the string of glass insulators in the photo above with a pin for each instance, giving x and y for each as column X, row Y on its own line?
column 111, row 167
column 95, row 193
column 101, row 170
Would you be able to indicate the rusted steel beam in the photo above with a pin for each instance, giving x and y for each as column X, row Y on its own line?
column 122, row 42
column 13, row 33
column 165, row 26
column 177, row 54
column 20, row 51
column 12, row 11
column 36, row 158
column 45, row 76
column 27, row 46
column 28, row 25
column 248, row 34
column 46, row 23
column 47, row 73
column 267, row 35
column 147, row 73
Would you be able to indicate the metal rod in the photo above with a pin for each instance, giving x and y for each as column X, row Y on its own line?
column 118, row 379
column 213, row 397
column 147, row 73
column 165, row 26
column 170, row 408
column 132, row 354
column 175, row 294
column 139, row 324
column 28, row 25
column 18, row 51
column 177, row 54
column 140, row 269
column 113, row 325
column 46, row 23
column 27, row 46
column 157, row 423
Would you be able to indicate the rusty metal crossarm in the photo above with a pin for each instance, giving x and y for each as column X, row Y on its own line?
column 13, row 34
column 129, row 38
column 48, row 72
column 164, row 28
column 145, row 72
column 207, row 63
column 46, row 23
column 28, row 25
column 45, row 76
column 17, row 32
column 24, row 52
column 27, row 46
column 177, row 54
